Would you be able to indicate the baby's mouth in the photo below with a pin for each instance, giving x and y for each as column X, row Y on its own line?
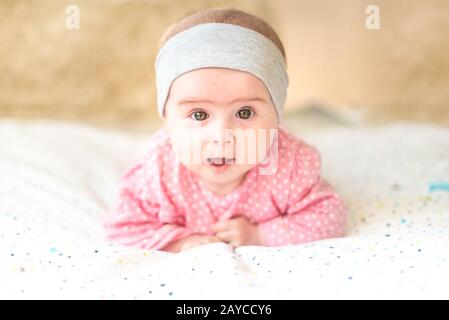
column 220, row 161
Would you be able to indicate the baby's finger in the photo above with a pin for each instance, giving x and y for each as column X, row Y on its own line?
column 194, row 244
column 235, row 242
column 225, row 236
column 187, row 246
column 213, row 239
column 206, row 241
column 220, row 226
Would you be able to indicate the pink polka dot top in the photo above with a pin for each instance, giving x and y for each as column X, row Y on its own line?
column 160, row 200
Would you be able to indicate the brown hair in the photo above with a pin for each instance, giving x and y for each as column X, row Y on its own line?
column 223, row 15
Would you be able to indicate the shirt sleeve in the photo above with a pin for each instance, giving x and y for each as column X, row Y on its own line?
column 314, row 211
column 136, row 218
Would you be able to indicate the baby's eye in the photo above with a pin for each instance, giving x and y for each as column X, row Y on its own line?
column 199, row 115
column 244, row 113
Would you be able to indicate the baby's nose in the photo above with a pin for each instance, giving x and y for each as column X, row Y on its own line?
column 221, row 132
column 224, row 135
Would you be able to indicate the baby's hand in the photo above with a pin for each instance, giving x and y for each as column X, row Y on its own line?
column 190, row 242
column 197, row 240
column 237, row 232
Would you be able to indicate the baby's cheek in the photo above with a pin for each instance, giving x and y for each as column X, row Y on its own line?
column 187, row 143
column 258, row 149
column 187, row 153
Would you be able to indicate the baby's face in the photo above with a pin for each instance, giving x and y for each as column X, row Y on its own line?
column 216, row 116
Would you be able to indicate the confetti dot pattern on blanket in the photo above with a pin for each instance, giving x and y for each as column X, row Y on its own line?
column 56, row 181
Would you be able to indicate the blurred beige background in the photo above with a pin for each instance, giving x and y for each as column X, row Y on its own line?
column 103, row 72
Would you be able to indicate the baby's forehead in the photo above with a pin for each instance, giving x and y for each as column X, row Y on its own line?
column 218, row 82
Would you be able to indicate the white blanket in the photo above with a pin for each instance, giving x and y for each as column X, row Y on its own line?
column 57, row 179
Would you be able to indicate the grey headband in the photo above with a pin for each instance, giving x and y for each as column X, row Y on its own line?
column 222, row 45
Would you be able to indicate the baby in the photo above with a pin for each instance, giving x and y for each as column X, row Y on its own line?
column 223, row 167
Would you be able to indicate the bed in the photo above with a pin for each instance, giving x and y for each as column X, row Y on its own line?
column 57, row 180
